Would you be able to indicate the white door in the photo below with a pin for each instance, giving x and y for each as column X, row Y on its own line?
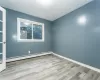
column 2, row 39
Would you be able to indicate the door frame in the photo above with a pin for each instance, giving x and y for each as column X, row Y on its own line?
column 3, row 64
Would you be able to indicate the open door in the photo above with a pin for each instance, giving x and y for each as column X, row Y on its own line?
column 2, row 39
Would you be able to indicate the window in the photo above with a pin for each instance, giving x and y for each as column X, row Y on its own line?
column 30, row 31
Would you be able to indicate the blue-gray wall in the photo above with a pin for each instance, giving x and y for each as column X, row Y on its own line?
column 79, row 42
column 15, row 48
column 64, row 36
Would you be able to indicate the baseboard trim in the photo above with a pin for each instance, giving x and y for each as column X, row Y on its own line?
column 26, row 57
column 47, row 53
column 79, row 63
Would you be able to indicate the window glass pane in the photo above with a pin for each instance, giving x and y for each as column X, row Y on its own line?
column 0, row 15
column 25, row 30
column 0, row 58
column 0, row 47
column 1, row 26
column 0, row 37
column 37, row 31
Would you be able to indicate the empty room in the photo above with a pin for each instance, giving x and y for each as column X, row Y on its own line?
column 49, row 39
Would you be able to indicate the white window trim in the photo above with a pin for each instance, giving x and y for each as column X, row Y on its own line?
column 29, row 40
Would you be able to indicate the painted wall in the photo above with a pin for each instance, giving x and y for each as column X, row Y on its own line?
column 15, row 48
column 77, row 41
column 64, row 36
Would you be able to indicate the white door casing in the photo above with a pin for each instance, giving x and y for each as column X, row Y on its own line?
column 3, row 32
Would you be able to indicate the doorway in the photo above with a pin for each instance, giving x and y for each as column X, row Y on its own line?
column 2, row 39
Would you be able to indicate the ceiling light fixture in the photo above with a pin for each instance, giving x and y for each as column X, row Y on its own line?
column 44, row 2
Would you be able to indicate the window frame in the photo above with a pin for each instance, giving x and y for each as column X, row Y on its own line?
column 32, row 22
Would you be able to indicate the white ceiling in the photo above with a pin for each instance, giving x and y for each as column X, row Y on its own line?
column 52, row 12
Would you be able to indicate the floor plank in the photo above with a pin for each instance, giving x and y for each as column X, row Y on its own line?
column 47, row 67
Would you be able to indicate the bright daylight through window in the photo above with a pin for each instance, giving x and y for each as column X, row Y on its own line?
column 30, row 31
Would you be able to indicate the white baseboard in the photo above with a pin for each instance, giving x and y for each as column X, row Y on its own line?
column 81, row 64
column 26, row 57
column 46, row 53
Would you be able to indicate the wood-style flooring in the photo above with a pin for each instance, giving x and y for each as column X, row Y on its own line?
column 47, row 67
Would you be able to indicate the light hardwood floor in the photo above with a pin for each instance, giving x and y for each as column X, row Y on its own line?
column 47, row 67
